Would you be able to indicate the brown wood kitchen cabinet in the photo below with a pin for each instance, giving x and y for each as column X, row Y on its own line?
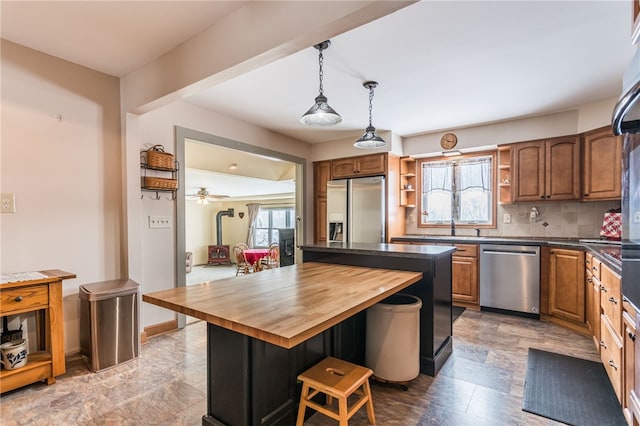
column 321, row 175
column 464, row 274
column 611, row 341
column 364, row 165
column 566, row 285
column 546, row 170
column 602, row 165
column 592, row 289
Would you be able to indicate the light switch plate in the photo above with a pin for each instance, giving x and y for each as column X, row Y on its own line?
column 159, row 221
column 7, row 203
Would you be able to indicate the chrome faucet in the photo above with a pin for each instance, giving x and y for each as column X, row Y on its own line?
column 477, row 232
column 453, row 227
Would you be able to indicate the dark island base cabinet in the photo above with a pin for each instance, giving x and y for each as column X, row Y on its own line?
column 434, row 290
column 252, row 382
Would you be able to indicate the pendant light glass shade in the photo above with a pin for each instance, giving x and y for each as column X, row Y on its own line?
column 370, row 139
column 321, row 114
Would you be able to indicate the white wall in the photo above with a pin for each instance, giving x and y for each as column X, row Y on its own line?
column 61, row 157
column 158, row 269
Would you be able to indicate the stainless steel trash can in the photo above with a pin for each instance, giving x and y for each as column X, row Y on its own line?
column 393, row 338
column 109, row 323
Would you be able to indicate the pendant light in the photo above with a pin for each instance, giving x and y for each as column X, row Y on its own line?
column 321, row 114
column 370, row 140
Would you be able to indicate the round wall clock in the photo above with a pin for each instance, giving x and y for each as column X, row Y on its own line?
column 448, row 141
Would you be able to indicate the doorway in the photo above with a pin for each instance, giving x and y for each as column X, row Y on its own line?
column 184, row 136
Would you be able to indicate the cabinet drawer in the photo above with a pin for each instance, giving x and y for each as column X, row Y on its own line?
column 611, row 355
column 466, row 250
column 611, row 299
column 24, row 299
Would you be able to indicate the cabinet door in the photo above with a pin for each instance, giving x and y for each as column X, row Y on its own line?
column 321, row 220
column 464, row 279
column 611, row 297
column 602, row 165
column 597, row 311
column 528, row 171
column 371, row 165
column 562, row 169
column 321, row 175
column 343, row 168
column 589, row 307
column 566, row 285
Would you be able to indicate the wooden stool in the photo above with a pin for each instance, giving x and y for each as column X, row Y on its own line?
column 336, row 379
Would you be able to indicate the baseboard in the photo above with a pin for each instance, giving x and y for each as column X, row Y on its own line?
column 156, row 329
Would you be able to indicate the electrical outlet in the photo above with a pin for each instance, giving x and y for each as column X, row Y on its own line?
column 506, row 218
column 636, row 217
column 159, row 221
column 7, row 203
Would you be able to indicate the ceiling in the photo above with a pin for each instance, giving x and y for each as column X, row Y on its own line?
column 440, row 65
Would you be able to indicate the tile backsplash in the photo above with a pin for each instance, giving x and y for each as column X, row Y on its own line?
column 555, row 219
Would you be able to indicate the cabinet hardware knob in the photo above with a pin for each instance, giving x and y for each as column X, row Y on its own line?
column 542, row 196
column 589, row 280
column 18, row 299
column 603, row 288
column 586, row 195
column 612, row 300
column 613, row 364
column 632, row 336
column 604, row 345
column 594, row 268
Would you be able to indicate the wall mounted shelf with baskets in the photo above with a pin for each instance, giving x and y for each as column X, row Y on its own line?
column 158, row 163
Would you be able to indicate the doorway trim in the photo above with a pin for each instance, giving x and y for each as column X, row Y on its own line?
column 181, row 135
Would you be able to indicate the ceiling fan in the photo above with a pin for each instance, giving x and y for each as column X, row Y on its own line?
column 203, row 196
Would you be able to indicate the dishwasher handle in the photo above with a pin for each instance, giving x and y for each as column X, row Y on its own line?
column 511, row 253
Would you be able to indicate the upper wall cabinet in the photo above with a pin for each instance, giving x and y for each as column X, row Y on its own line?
column 365, row 165
column 602, row 164
column 546, row 170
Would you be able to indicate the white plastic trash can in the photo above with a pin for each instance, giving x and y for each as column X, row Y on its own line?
column 393, row 338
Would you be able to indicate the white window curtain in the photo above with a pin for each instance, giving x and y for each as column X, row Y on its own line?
column 459, row 190
column 252, row 212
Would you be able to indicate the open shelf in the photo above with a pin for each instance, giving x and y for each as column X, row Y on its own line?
column 504, row 175
column 407, row 182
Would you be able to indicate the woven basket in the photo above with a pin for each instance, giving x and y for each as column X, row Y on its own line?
column 158, row 159
column 151, row 182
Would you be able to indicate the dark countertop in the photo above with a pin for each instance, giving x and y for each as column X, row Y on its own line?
column 606, row 252
column 388, row 250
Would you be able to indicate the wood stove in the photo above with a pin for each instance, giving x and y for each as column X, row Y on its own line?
column 219, row 254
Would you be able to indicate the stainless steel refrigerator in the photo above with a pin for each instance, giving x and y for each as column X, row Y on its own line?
column 356, row 210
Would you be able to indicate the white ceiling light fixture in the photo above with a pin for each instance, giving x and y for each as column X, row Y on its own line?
column 321, row 114
column 370, row 140
column 233, row 166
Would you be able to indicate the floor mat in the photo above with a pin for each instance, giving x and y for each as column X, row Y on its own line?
column 456, row 311
column 570, row 390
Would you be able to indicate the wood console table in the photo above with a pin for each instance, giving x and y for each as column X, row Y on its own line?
column 43, row 296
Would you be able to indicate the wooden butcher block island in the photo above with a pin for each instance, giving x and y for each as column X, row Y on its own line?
column 266, row 328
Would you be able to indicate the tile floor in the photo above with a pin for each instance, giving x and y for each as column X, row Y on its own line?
column 482, row 383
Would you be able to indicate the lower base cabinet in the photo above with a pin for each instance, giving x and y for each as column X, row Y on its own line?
column 464, row 274
column 566, row 285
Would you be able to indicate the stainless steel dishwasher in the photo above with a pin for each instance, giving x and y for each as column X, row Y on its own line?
column 510, row 279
